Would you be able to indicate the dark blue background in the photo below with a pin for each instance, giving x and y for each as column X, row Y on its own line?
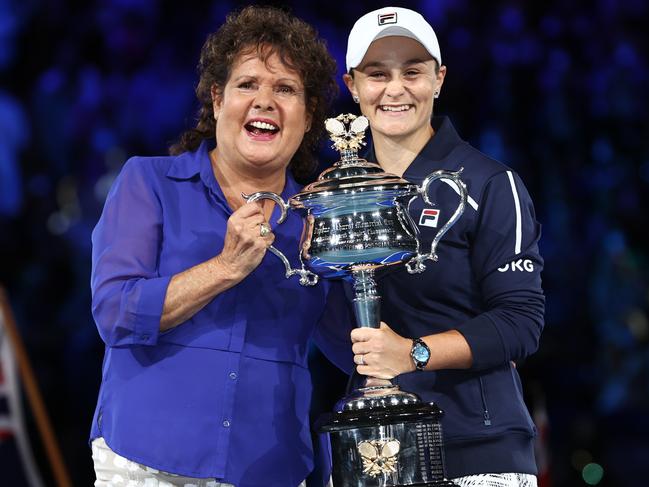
column 556, row 89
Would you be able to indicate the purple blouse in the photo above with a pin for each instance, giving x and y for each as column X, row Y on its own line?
column 225, row 394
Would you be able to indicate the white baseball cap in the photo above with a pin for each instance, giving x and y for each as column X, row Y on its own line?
column 389, row 21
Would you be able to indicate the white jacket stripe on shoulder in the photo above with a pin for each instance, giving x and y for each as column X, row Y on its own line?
column 469, row 200
column 517, row 204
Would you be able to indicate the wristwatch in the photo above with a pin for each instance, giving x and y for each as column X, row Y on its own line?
column 420, row 353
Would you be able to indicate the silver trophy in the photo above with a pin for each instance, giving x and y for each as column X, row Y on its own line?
column 356, row 225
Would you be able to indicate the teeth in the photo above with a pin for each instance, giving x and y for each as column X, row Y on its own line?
column 400, row 108
column 263, row 125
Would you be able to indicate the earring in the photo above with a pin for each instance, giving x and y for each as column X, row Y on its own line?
column 436, row 94
column 356, row 100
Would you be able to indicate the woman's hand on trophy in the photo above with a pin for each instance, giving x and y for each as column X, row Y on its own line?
column 247, row 238
column 380, row 352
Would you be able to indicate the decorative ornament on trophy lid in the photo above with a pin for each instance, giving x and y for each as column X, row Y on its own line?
column 357, row 223
column 347, row 141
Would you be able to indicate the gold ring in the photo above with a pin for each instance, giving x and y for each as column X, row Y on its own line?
column 264, row 229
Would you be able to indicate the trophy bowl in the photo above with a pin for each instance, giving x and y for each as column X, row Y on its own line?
column 356, row 215
column 357, row 225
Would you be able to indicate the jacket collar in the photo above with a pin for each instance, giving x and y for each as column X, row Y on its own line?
column 189, row 164
column 437, row 148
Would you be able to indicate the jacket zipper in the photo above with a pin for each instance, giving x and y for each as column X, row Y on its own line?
column 485, row 410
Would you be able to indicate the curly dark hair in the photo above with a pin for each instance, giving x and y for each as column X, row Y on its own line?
column 270, row 31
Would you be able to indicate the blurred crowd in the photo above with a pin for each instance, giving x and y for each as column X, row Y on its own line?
column 557, row 90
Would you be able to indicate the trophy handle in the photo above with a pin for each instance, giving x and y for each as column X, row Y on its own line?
column 415, row 265
column 307, row 278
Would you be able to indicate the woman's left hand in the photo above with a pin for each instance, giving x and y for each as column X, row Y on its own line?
column 381, row 353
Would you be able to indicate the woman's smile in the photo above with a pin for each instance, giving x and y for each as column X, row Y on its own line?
column 396, row 110
column 261, row 129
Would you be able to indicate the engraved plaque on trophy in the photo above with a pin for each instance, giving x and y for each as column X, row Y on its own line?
column 356, row 223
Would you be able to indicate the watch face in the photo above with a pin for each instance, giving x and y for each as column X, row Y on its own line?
column 420, row 353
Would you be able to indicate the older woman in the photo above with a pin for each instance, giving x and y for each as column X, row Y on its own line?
column 452, row 333
column 204, row 377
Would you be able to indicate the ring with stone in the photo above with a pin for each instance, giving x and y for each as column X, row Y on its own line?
column 264, row 229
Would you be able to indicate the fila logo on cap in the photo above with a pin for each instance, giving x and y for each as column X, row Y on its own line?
column 390, row 18
column 429, row 217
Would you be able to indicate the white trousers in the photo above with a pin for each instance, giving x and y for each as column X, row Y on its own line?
column 497, row 480
column 113, row 470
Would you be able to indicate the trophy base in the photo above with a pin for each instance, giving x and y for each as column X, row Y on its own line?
column 386, row 446
column 371, row 393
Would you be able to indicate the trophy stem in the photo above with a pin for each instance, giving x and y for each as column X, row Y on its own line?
column 367, row 309
column 367, row 302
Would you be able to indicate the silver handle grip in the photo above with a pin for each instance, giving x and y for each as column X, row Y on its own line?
column 416, row 265
column 307, row 278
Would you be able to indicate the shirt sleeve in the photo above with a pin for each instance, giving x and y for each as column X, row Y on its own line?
column 332, row 334
column 127, row 291
column 506, row 262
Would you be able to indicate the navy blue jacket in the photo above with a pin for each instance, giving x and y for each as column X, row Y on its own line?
column 486, row 285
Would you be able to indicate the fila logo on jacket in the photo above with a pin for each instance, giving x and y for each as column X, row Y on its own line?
column 429, row 217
